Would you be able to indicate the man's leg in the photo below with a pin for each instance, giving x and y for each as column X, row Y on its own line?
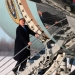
column 16, row 67
column 23, row 65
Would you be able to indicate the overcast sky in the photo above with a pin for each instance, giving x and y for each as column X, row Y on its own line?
column 4, row 35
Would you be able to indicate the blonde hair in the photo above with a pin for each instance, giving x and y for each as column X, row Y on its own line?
column 22, row 19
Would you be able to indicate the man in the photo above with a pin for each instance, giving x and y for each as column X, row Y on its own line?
column 22, row 40
column 47, row 18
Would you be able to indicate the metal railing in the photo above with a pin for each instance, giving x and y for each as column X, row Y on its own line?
column 22, row 50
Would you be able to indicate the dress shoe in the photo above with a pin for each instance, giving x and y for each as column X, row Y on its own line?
column 21, row 69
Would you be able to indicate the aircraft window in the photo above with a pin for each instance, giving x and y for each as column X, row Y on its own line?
column 20, row 4
column 22, row 10
column 26, row 16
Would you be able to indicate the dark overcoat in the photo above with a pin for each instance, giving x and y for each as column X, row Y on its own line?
column 22, row 39
column 49, row 18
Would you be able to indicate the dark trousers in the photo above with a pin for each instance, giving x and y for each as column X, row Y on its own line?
column 23, row 65
column 72, row 73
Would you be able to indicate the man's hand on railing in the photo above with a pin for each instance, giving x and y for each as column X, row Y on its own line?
column 56, row 22
column 36, row 35
column 46, row 26
column 29, row 43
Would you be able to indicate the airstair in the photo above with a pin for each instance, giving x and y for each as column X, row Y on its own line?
column 50, row 59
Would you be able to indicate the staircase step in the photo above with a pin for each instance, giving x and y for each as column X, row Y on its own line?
column 55, row 65
column 57, row 46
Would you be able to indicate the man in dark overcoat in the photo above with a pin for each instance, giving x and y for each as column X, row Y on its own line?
column 22, row 40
